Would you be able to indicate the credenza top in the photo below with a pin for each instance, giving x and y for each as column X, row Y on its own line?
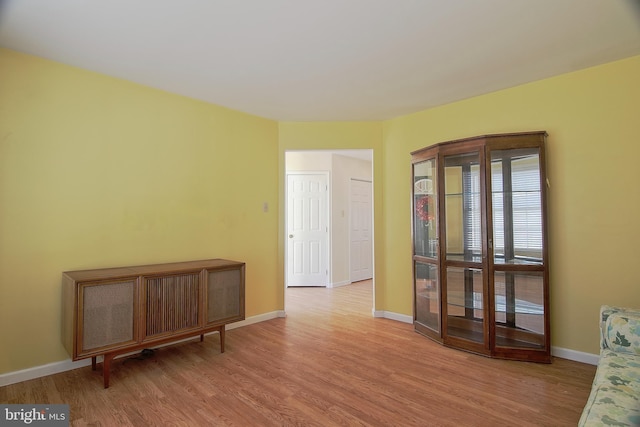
column 152, row 269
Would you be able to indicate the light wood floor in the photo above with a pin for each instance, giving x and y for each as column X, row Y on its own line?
column 328, row 363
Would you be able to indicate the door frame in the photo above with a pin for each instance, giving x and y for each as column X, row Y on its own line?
column 283, row 203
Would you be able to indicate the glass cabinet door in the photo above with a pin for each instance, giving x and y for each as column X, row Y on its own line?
column 463, row 207
column 519, row 309
column 517, row 242
column 425, row 248
column 427, row 298
column 424, row 201
column 516, row 206
column 464, row 264
column 465, row 304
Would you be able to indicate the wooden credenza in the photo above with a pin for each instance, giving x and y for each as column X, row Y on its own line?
column 111, row 311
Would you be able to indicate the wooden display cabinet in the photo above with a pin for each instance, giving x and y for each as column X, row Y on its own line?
column 481, row 280
column 111, row 311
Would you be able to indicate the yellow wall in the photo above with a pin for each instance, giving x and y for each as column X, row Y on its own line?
column 593, row 165
column 96, row 172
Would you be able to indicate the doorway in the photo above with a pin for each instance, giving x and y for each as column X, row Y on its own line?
column 342, row 168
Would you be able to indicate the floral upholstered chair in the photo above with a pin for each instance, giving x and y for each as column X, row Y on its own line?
column 615, row 394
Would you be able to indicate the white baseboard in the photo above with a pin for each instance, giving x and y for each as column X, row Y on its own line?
column 393, row 316
column 68, row 365
column 338, row 284
column 256, row 319
column 576, row 356
column 41, row 371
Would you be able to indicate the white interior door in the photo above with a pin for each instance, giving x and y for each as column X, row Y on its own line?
column 361, row 248
column 307, row 230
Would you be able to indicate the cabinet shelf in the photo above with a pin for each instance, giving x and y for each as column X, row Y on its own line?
column 517, row 261
column 468, row 194
column 468, row 259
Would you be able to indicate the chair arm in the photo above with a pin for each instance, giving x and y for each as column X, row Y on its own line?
column 620, row 329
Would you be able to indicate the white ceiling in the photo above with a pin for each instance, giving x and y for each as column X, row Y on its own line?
column 325, row 59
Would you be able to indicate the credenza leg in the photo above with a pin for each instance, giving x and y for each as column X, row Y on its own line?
column 222, row 339
column 93, row 363
column 201, row 337
column 106, row 368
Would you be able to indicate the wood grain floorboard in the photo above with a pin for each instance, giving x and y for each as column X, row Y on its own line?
column 328, row 363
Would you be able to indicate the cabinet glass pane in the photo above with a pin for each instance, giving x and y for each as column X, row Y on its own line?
column 462, row 208
column 519, row 309
column 465, row 310
column 424, row 185
column 516, row 206
column 427, row 296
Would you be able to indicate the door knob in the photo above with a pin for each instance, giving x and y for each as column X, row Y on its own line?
column 291, row 236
